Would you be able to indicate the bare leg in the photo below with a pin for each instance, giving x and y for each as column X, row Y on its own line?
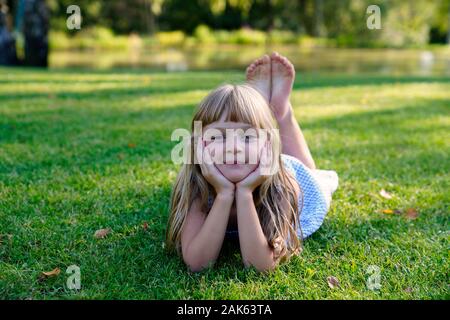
column 292, row 139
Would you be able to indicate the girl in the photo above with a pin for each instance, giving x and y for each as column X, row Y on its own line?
column 215, row 199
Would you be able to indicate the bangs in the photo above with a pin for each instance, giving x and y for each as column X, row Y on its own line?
column 236, row 103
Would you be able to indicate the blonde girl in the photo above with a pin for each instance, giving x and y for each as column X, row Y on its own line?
column 253, row 179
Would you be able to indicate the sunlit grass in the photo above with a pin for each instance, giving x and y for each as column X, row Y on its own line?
column 81, row 151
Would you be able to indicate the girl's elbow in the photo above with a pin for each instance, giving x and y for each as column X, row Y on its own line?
column 196, row 266
column 261, row 267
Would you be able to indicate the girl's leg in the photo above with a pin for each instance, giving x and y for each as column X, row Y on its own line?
column 274, row 78
column 292, row 139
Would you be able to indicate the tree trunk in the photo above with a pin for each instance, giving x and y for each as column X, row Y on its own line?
column 149, row 17
column 319, row 27
column 36, row 25
column 8, row 55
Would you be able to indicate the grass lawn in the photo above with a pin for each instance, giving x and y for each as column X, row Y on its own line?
column 82, row 151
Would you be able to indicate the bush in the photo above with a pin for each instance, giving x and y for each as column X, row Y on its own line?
column 89, row 38
column 204, row 35
column 58, row 40
column 310, row 42
column 281, row 37
column 170, row 38
column 248, row 36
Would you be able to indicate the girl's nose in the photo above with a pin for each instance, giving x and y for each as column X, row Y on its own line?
column 238, row 145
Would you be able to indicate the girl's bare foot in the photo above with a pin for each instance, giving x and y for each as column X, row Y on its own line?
column 259, row 76
column 283, row 75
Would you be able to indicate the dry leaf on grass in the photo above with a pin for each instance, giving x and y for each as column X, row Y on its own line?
column 102, row 233
column 131, row 145
column 333, row 282
column 385, row 194
column 45, row 275
column 145, row 225
column 388, row 211
column 411, row 213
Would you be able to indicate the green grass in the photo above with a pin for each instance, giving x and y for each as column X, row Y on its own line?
column 81, row 151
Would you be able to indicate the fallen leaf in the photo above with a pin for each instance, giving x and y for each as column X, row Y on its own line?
column 333, row 282
column 396, row 211
column 55, row 272
column 102, row 233
column 411, row 213
column 385, row 194
column 145, row 225
column 388, row 211
column 131, row 145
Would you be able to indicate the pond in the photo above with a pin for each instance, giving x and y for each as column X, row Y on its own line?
column 226, row 57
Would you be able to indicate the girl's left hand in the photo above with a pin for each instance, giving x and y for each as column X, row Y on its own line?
column 260, row 174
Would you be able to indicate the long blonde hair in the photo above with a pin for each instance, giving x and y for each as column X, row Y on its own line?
column 240, row 103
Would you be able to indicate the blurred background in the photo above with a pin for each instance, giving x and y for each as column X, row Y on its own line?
column 179, row 35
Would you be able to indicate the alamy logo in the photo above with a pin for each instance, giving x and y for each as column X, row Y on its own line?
column 374, row 20
column 74, row 20
column 374, row 281
column 74, row 280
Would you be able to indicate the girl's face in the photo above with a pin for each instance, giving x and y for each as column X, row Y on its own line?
column 235, row 148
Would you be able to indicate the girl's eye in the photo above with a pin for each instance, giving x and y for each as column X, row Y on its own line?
column 250, row 138
column 217, row 138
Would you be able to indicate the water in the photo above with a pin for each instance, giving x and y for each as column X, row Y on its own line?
column 226, row 57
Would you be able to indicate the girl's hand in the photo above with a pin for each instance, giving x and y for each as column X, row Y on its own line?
column 255, row 178
column 211, row 173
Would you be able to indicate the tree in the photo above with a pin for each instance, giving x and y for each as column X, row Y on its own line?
column 8, row 54
column 35, row 29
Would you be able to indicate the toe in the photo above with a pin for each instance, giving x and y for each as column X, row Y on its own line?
column 277, row 58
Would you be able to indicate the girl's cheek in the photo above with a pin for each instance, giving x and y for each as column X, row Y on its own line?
column 218, row 151
column 207, row 143
column 253, row 151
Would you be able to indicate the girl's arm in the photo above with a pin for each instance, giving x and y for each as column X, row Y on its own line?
column 292, row 140
column 255, row 249
column 203, row 236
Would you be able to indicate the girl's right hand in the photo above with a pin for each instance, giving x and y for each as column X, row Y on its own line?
column 209, row 170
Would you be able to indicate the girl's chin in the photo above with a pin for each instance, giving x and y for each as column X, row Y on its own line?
column 234, row 174
column 235, row 179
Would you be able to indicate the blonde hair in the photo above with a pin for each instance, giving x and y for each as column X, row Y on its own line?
column 240, row 103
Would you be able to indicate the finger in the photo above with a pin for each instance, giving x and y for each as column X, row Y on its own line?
column 199, row 150
column 201, row 157
column 266, row 161
column 207, row 157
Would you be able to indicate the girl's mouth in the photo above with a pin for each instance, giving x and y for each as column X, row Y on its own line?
column 234, row 162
